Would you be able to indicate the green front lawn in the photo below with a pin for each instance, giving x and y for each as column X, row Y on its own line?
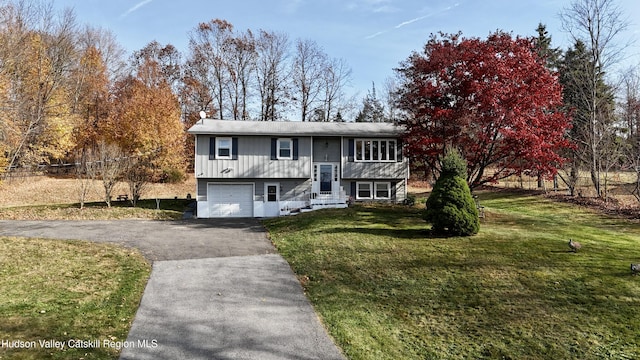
column 67, row 291
column 386, row 289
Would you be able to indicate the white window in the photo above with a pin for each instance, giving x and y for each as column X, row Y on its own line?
column 383, row 190
column 374, row 150
column 223, row 148
column 359, row 144
column 364, row 190
column 284, row 150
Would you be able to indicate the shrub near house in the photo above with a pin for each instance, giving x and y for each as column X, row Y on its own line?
column 450, row 207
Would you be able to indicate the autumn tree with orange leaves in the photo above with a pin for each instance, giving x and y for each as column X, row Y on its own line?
column 145, row 122
column 91, row 101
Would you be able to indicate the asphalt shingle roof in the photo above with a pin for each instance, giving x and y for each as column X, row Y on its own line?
column 295, row 128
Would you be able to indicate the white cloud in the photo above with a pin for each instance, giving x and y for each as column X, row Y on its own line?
column 375, row 35
column 134, row 8
column 411, row 21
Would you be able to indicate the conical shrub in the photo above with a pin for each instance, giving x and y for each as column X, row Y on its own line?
column 451, row 209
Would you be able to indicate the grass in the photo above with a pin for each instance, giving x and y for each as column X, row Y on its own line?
column 386, row 289
column 44, row 190
column 67, row 290
column 170, row 209
column 50, row 198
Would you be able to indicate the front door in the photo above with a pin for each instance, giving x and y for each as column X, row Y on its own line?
column 272, row 199
column 325, row 178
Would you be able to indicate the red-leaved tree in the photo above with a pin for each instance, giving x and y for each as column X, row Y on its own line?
column 492, row 99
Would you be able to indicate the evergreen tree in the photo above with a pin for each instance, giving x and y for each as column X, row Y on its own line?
column 372, row 108
column 550, row 55
column 451, row 209
column 589, row 132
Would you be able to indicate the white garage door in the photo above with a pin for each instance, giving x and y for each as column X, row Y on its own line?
column 230, row 200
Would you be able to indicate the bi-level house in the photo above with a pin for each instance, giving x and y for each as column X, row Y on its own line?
column 273, row 168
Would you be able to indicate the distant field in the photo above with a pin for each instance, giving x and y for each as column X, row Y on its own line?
column 618, row 183
column 41, row 190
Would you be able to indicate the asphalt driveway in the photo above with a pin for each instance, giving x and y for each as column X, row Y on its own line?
column 157, row 240
column 218, row 290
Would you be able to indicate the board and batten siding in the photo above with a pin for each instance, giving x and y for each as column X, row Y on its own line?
column 326, row 149
column 254, row 160
column 374, row 170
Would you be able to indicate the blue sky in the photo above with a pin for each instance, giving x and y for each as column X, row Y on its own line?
column 373, row 36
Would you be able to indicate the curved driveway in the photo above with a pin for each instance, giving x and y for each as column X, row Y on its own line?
column 157, row 240
column 218, row 290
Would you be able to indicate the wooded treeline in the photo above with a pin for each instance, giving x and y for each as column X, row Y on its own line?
column 69, row 92
column 67, row 88
column 514, row 106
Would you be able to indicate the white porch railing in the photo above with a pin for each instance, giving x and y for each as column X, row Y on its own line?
column 313, row 201
column 329, row 198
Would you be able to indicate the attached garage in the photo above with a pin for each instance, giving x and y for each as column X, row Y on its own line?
column 230, row 200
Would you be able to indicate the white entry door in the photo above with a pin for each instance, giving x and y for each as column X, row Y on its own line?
column 271, row 199
column 326, row 179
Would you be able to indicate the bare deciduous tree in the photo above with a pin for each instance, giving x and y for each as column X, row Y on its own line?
column 598, row 24
column 208, row 44
column 309, row 65
column 85, row 167
column 630, row 116
column 111, row 166
column 111, row 51
column 138, row 174
column 241, row 62
column 272, row 78
column 391, row 97
column 335, row 77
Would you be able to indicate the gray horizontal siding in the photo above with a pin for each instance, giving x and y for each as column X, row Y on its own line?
column 254, row 160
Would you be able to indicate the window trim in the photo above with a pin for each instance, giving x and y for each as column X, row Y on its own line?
column 375, row 190
column 276, row 194
column 361, row 152
column 278, row 148
column 371, row 194
column 218, row 147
